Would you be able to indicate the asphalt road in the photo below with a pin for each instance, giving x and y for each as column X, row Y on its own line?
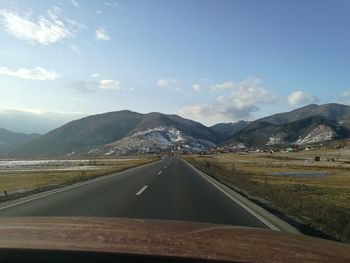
column 167, row 189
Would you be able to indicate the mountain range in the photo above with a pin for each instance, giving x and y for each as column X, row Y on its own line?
column 10, row 140
column 227, row 130
column 127, row 132
column 307, row 125
column 123, row 131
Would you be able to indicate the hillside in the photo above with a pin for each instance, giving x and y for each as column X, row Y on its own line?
column 306, row 125
column 155, row 140
column 331, row 111
column 125, row 132
column 83, row 135
column 227, row 130
column 9, row 140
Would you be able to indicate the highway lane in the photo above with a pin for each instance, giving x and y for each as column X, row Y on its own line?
column 167, row 189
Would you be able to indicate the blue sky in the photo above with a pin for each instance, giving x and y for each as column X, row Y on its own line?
column 211, row 61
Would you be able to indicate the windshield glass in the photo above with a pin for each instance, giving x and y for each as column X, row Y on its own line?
column 219, row 112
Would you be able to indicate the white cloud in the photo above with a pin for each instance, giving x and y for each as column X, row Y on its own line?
column 196, row 87
column 75, row 3
column 109, row 4
column 99, row 12
column 244, row 85
column 346, row 94
column 47, row 30
column 95, row 75
column 169, row 84
column 92, row 86
column 221, row 110
column 37, row 73
column 109, row 84
column 246, row 93
column 237, row 101
column 76, row 25
column 223, row 86
column 300, row 97
column 101, row 34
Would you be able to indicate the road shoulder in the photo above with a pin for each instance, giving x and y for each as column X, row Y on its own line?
column 270, row 220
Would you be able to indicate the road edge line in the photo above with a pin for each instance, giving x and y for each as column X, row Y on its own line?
column 267, row 218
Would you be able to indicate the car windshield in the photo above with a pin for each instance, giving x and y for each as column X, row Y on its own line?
column 219, row 112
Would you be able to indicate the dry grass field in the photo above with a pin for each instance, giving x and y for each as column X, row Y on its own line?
column 314, row 192
column 24, row 179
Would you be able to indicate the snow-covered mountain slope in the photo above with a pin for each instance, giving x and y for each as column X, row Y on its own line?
column 277, row 139
column 159, row 139
column 79, row 136
column 319, row 134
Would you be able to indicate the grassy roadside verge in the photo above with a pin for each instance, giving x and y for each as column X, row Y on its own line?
column 315, row 202
column 14, row 184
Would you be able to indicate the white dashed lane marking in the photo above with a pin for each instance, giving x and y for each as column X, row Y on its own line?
column 142, row 190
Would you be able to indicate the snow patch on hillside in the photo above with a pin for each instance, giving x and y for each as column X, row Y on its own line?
column 274, row 140
column 157, row 139
column 319, row 134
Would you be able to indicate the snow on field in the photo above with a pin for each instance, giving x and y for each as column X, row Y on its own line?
column 52, row 165
column 23, row 163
